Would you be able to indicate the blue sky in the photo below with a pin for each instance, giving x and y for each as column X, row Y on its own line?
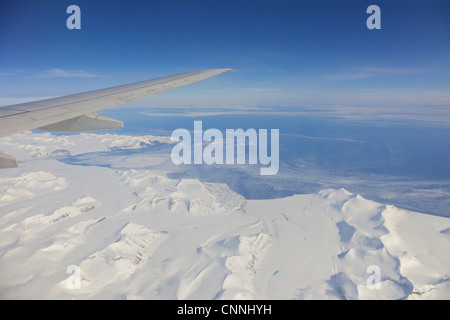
column 288, row 53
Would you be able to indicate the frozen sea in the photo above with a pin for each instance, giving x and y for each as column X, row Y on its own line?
column 399, row 162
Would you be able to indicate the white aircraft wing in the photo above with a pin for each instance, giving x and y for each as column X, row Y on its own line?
column 76, row 113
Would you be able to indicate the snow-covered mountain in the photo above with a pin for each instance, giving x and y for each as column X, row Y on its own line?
column 136, row 234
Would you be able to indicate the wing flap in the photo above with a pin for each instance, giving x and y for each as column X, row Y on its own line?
column 88, row 122
column 7, row 161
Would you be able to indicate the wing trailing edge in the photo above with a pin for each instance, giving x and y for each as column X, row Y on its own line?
column 88, row 122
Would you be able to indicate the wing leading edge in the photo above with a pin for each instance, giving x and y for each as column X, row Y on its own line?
column 76, row 113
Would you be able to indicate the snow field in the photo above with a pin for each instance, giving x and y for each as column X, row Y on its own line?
column 136, row 234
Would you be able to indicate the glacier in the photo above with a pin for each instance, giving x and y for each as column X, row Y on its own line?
column 135, row 233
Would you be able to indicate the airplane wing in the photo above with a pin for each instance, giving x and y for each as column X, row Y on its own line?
column 76, row 113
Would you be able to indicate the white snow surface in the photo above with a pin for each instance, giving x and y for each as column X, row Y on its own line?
column 136, row 234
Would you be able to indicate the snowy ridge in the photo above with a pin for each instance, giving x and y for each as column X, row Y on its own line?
column 137, row 234
column 244, row 266
column 356, row 233
column 29, row 185
column 28, row 145
column 119, row 260
column 186, row 196
column 72, row 236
